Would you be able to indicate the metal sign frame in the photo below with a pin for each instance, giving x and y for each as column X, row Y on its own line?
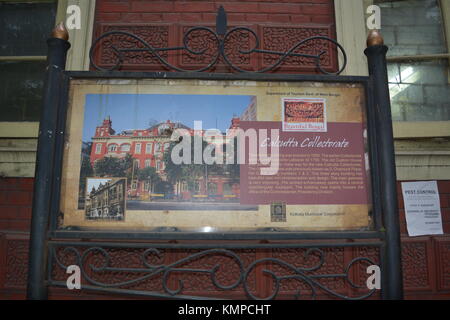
column 172, row 234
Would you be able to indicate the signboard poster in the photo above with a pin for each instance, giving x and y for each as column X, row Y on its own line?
column 216, row 155
column 422, row 208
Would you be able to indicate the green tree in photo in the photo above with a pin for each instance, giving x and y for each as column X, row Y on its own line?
column 85, row 172
column 108, row 167
column 127, row 165
column 149, row 175
column 233, row 170
column 190, row 173
column 174, row 172
column 114, row 167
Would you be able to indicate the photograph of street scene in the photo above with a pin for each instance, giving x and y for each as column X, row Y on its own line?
column 129, row 136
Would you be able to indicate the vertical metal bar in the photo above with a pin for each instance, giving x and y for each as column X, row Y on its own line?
column 373, row 160
column 382, row 264
column 221, row 21
column 376, row 55
column 56, row 61
column 59, row 147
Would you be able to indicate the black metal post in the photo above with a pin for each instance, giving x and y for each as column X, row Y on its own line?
column 391, row 269
column 56, row 61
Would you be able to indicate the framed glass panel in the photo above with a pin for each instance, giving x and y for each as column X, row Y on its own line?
column 241, row 156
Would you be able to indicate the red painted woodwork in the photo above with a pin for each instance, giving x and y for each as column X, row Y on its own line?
column 279, row 26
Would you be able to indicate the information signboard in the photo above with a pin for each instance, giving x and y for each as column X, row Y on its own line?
column 216, row 155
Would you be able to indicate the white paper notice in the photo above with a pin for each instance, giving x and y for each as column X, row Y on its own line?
column 422, row 208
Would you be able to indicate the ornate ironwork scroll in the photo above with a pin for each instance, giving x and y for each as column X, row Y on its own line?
column 124, row 45
column 145, row 271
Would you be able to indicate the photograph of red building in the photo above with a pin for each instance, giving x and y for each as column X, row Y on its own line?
column 142, row 155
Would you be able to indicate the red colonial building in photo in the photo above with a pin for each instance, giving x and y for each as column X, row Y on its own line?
column 147, row 148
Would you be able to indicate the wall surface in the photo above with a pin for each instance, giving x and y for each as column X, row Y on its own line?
column 279, row 24
column 426, row 260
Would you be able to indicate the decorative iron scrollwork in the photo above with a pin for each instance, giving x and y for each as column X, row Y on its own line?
column 221, row 41
column 309, row 276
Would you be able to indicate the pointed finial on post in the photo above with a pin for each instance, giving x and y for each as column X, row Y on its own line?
column 221, row 21
column 60, row 32
column 374, row 38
